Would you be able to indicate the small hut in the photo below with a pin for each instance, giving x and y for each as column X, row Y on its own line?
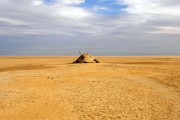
column 86, row 58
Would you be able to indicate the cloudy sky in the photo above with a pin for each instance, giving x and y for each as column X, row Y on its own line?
column 100, row 27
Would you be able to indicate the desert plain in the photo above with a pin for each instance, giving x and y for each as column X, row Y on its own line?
column 118, row 88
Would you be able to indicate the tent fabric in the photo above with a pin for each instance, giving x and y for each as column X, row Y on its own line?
column 86, row 58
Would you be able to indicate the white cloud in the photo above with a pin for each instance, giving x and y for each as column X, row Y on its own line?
column 3, row 1
column 12, row 21
column 66, row 9
column 166, row 30
column 156, row 14
column 97, row 8
column 72, row 2
column 37, row 2
column 152, row 23
column 151, row 7
column 72, row 12
column 64, row 2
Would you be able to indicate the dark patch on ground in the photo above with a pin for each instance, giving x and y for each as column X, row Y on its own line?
column 145, row 63
column 24, row 67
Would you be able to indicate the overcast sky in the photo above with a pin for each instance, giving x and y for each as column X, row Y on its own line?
column 100, row 27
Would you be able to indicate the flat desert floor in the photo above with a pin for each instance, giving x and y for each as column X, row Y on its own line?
column 118, row 88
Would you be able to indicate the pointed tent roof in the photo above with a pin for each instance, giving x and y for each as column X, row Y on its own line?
column 86, row 58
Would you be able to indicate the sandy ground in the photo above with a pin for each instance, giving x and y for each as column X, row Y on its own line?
column 119, row 88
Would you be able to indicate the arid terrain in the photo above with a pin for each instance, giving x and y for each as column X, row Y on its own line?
column 118, row 88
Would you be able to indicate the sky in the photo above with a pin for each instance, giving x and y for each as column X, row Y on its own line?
column 99, row 27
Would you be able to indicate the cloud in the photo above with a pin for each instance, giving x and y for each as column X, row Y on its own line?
column 71, row 12
column 37, row 2
column 11, row 21
column 65, row 8
column 166, row 30
column 72, row 2
column 97, row 8
column 152, row 6
column 3, row 1
column 64, row 2
column 143, row 28
column 159, row 15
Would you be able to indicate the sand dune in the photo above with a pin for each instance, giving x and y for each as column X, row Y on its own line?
column 118, row 88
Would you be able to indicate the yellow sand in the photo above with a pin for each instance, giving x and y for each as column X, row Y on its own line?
column 119, row 88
